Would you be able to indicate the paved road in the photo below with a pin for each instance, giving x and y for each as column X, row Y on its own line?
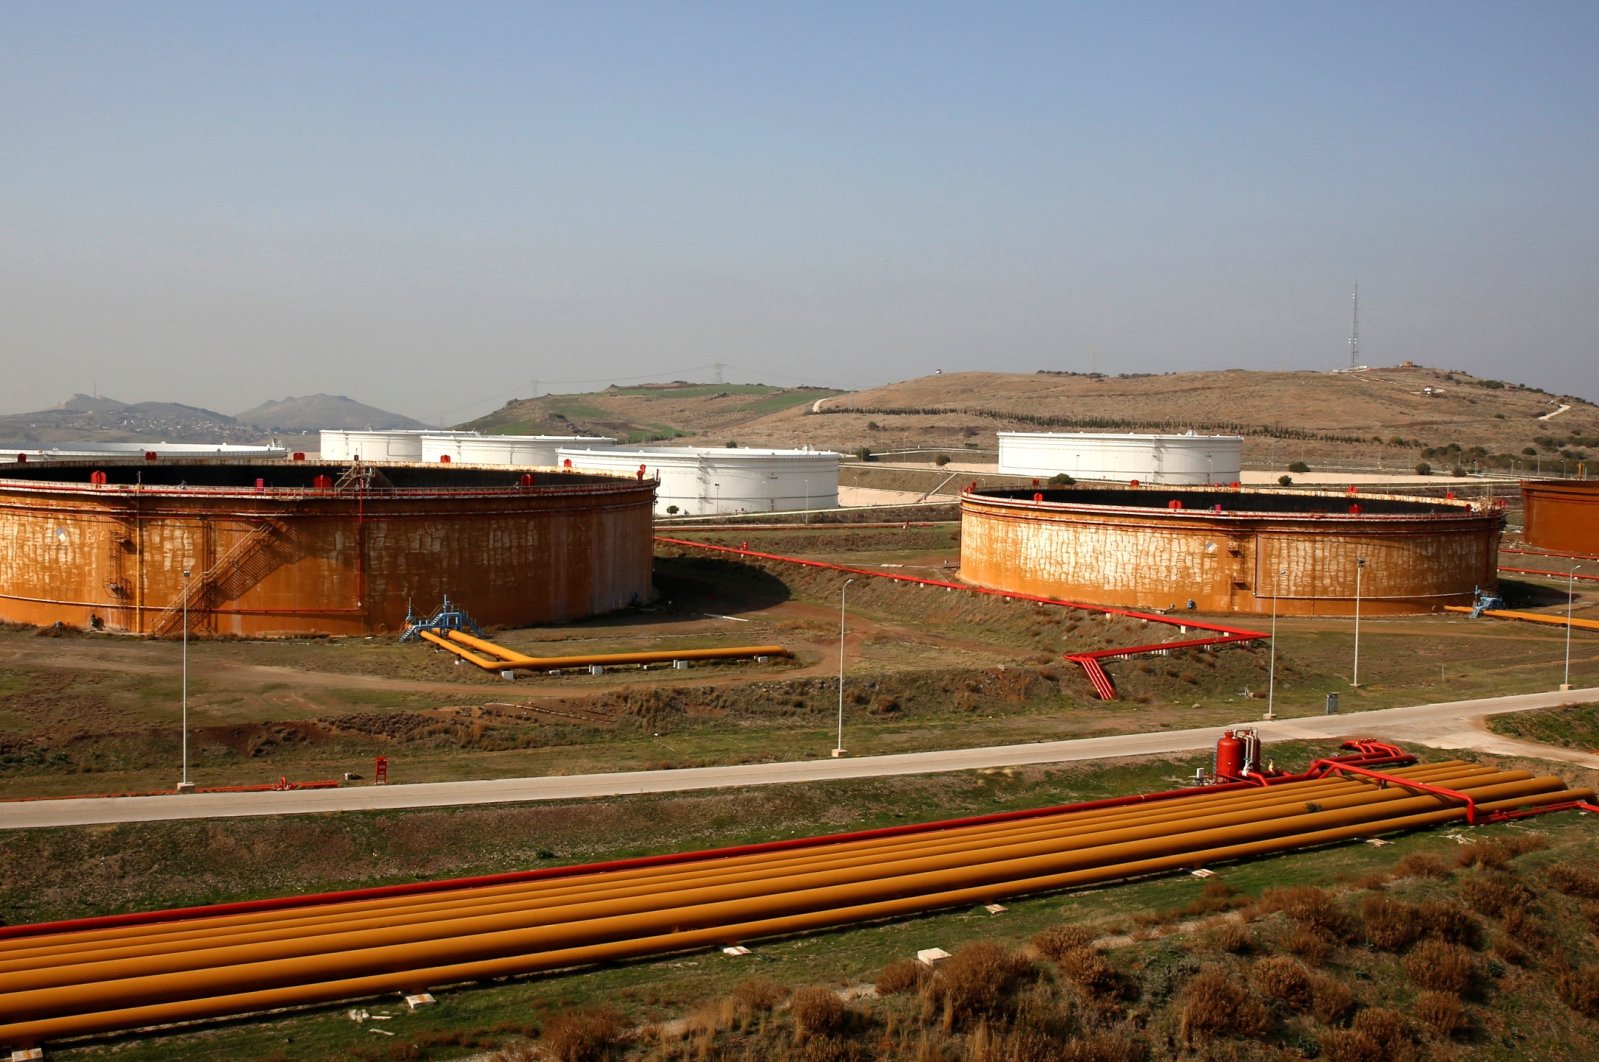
column 1456, row 724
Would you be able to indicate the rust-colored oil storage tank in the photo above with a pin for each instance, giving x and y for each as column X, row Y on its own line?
column 285, row 547
column 1561, row 514
column 1228, row 550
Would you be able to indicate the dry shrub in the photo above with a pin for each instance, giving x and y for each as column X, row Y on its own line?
column 1216, row 896
column 758, row 994
column 1522, row 843
column 900, row 976
column 1579, row 989
column 581, row 1035
column 976, row 982
column 1443, row 967
column 1443, row 1014
column 1451, row 922
column 1056, row 941
column 1391, row 1030
column 1421, row 865
column 1308, row 945
column 817, row 1011
column 1391, row 925
column 1350, row 1045
column 1574, row 881
column 1111, row 1045
column 1510, row 951
column 1283, row 979
column 1493, row 893
column 1590, row 914
column 517, row 1052
column 1333, row 1000
column 1526, row 928
column 1489, row 855
column 1311, row 908
column 1234, row 938
column 1089, row 971
column 1212, row 1004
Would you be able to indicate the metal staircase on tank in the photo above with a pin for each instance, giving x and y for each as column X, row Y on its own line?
column 241, row 567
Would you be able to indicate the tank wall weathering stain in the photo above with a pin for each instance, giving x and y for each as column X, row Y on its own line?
column 1420, row 555
column 295, row 559
column 1561, row 515
column 1174, row 459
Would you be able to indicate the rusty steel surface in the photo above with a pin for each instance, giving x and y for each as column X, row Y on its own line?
column 294, row 548
column 1561, row 515
column 1137, row 548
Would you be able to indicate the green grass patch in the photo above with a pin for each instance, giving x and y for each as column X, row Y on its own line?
column 1568, row 726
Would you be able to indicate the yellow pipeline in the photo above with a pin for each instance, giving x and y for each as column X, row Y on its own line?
column 130, row 942
column 801, row 895
column 143, row 981
column 503, row 659
column 873, row 856
column 28, row 951
column 1530, row 617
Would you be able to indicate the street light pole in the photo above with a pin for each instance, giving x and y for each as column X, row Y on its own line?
column 1271, row 668
column 1571, row 578
column 183, row 785
column 1360, row 563
column 838, row 750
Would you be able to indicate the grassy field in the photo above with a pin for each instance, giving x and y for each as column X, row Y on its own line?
column 925, row 669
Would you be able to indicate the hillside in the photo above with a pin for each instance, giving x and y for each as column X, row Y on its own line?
column 86, row 419
column 1379, row 417
column 713, row 414
column 315, row 412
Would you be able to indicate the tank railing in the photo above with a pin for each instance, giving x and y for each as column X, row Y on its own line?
column 607, row 484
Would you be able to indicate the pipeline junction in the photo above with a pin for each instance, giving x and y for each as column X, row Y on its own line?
column 117, row 973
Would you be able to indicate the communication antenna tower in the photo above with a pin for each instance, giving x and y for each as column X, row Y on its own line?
column 1354, row 331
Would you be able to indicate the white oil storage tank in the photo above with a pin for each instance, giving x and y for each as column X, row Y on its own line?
column 537, row 450
column 1177, row 459
column 706, row 481
column 393, row 445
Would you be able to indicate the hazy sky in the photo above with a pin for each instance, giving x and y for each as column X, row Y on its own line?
column 436, row 207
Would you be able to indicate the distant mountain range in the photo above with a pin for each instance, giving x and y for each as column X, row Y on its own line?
column 85, row 418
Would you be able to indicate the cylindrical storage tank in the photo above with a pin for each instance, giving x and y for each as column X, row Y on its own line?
column 1187, row 459
column 394, row 445
column 538, row 451
column 1129, row 547
column 1561, row 515
column 313, row 547
column 703, row 481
